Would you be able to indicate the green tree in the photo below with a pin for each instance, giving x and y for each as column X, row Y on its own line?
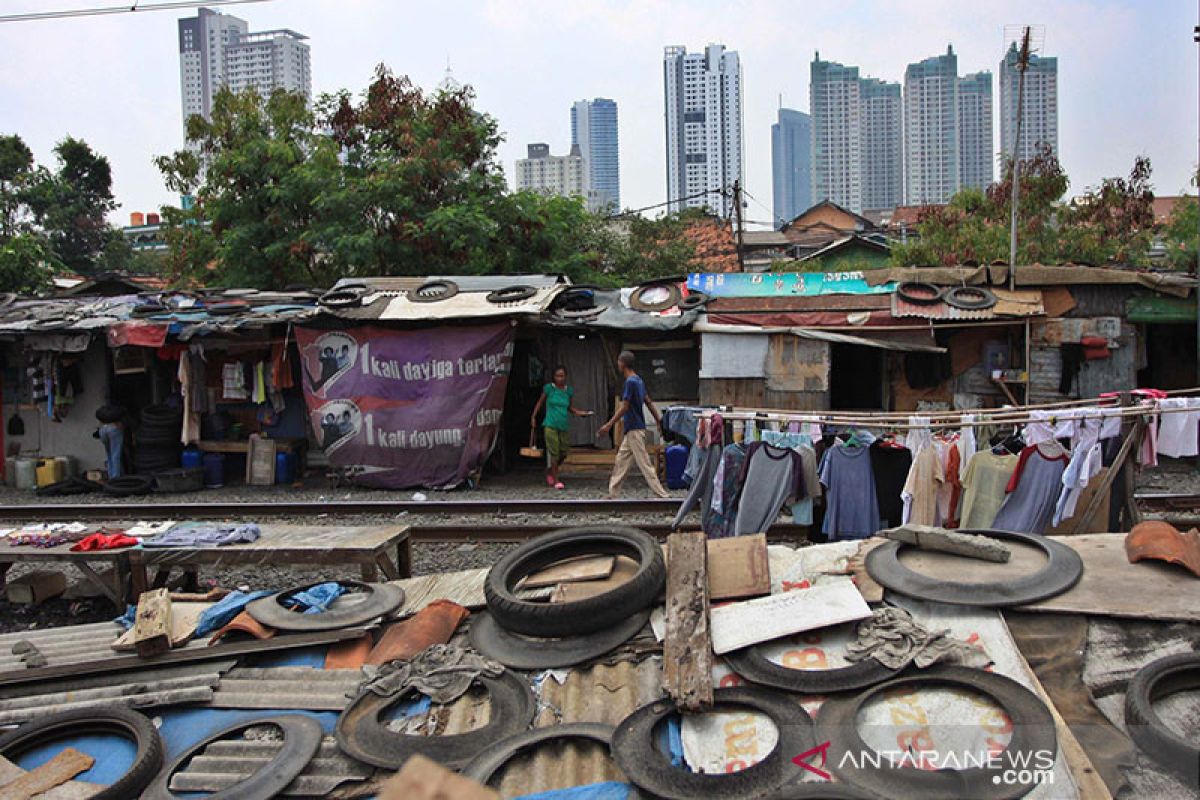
column 26, row 264
column 70, row 205
column 1108, row 224
column 16, row 170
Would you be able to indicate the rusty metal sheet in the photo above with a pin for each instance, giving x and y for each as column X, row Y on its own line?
column 1161, row 540
column 225, row 762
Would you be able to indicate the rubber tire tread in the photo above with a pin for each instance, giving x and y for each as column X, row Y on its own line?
column 128, row 485
column 520, row 652
column 755, row 667
column 582, row 616
column 904, row 292
column 693, row 300
column 451, row 289
column 302, row 737
column 131, row 725
column 673, row 296
column 519, row 293
column 384, row 599
column 1158, row 679
column 952, row 298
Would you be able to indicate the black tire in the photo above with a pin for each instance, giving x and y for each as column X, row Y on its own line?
column 345, row 297
column 582, row 616
column 919, row 293
column 227, row 308
column 301, row 739
column 67, row 488
column 521, row 652
column 383, row 599
column 1156, row 680
column 694, row 300
column 970, row 298
column 1063, row 570
column 511, row 294
column 111, row 721
column 752, row 665
column 128, row 486
column 162, row 415
column 579, row 314
column 433, row 292
column 672, row 299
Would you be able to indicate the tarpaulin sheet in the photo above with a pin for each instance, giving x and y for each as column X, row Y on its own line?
column 783, row 284
column 401, row 408
column 140, row 334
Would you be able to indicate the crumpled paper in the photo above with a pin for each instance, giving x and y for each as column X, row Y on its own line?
column 893, row 638
column 442, row 672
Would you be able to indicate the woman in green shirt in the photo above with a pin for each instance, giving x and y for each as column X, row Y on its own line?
column 557, row 397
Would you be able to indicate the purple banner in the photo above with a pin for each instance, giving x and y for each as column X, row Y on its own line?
column 403, row 408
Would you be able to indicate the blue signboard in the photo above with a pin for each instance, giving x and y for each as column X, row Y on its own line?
column 783, row 284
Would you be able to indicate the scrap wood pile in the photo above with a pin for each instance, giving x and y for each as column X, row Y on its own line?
column 844, row 647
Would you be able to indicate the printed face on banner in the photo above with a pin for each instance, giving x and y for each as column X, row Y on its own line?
column 337, row 421
column 327, row 358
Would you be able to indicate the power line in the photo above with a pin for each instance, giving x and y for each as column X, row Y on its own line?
column 172, row 5
column 723, row 191
column 762, row 205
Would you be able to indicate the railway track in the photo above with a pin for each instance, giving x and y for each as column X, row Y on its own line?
column 348, row 508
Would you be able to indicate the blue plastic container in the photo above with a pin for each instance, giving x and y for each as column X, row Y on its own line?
column 192, row 458
column 677, row 456
column 214, row 470
column 285, row 467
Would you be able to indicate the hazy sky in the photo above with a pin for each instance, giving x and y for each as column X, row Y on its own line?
column 1127, row 71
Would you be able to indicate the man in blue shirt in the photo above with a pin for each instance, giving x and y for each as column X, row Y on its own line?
column 633, row 444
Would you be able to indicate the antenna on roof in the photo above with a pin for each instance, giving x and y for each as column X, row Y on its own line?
column 1024, row 40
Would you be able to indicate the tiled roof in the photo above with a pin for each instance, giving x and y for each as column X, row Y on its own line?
column 716, row 250
column 1163, row 208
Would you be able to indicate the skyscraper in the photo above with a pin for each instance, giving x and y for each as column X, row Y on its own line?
column 594, row 130
column 1039, row 115
column 561, row 175
column 857, row 142
column 791, row 164
column 931, row 129
column 703, row 109
column 218, row 49
column 975, row 153
column 882, row 145
column 836, row 106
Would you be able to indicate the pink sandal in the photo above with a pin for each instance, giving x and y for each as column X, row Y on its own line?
column 550, row 481
column 559, row 485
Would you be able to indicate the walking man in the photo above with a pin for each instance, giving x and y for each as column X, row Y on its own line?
column 633, row 445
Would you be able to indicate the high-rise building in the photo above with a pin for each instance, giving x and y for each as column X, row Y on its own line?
column 882, row 144
column 703, row 108
column 791, row 165
column 1039, row 106
column 975, row 153
column 594, row 130
column 561, row 175
column 835, row 104
column 857, row 138
column 931, row 129
column 218, row 50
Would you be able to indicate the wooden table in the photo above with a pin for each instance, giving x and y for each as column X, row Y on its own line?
column 375, row 548
column 242, row 446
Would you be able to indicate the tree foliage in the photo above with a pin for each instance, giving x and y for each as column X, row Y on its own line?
column 395, row 181
column 1108, row 224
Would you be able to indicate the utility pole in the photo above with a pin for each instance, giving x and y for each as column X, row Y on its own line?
column 1022, row 65
column 1196, row 291
column 737, row 212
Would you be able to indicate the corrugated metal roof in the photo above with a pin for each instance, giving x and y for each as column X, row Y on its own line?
column 160, row 686
column 224, row 763
column 287, row 687
column 1019, row 303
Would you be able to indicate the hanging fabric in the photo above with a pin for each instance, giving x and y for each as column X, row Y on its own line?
column 851, row 507
column 890, row 465
column 919, row 496
column 802, row 509
column 700, row 492
column 1179, row 427
column 1085, row 464
column 985, row 485
column 1033, row 489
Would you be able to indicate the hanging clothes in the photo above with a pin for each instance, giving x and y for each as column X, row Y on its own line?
column 1033, row 489
column 190, row 431
column 890, row 465
column 950, row 489
column 233, row 381
column 851, row 507
column 700, row 492
column 1085, row 464
column 984, row 488
column 1180, row 427
column 802, row 510
column 727, row 489
column 281, row 367
column 770, row 477
column 966, row 444
column 920, row 493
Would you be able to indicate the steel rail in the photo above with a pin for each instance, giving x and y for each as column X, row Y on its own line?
column 126, row 511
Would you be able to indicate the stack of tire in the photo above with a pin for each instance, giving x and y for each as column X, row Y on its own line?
column 157, row 445
column 528, row 633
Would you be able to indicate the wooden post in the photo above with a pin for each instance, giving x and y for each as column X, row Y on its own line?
column 152, row 625
column 687, row 648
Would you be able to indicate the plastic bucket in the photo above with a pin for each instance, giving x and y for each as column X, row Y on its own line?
column 69, row 466
column 214, row 470
column 192, row 458
column 285, row 467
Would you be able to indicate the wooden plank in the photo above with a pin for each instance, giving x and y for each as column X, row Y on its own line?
column 71, row 790
column 624, row 569
column 260, row 461
column 152, row 625
column 423, row 779
column 687, row 648
column 738, row 625
column 55, row 772
column 581, row 568
column 184, row 617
